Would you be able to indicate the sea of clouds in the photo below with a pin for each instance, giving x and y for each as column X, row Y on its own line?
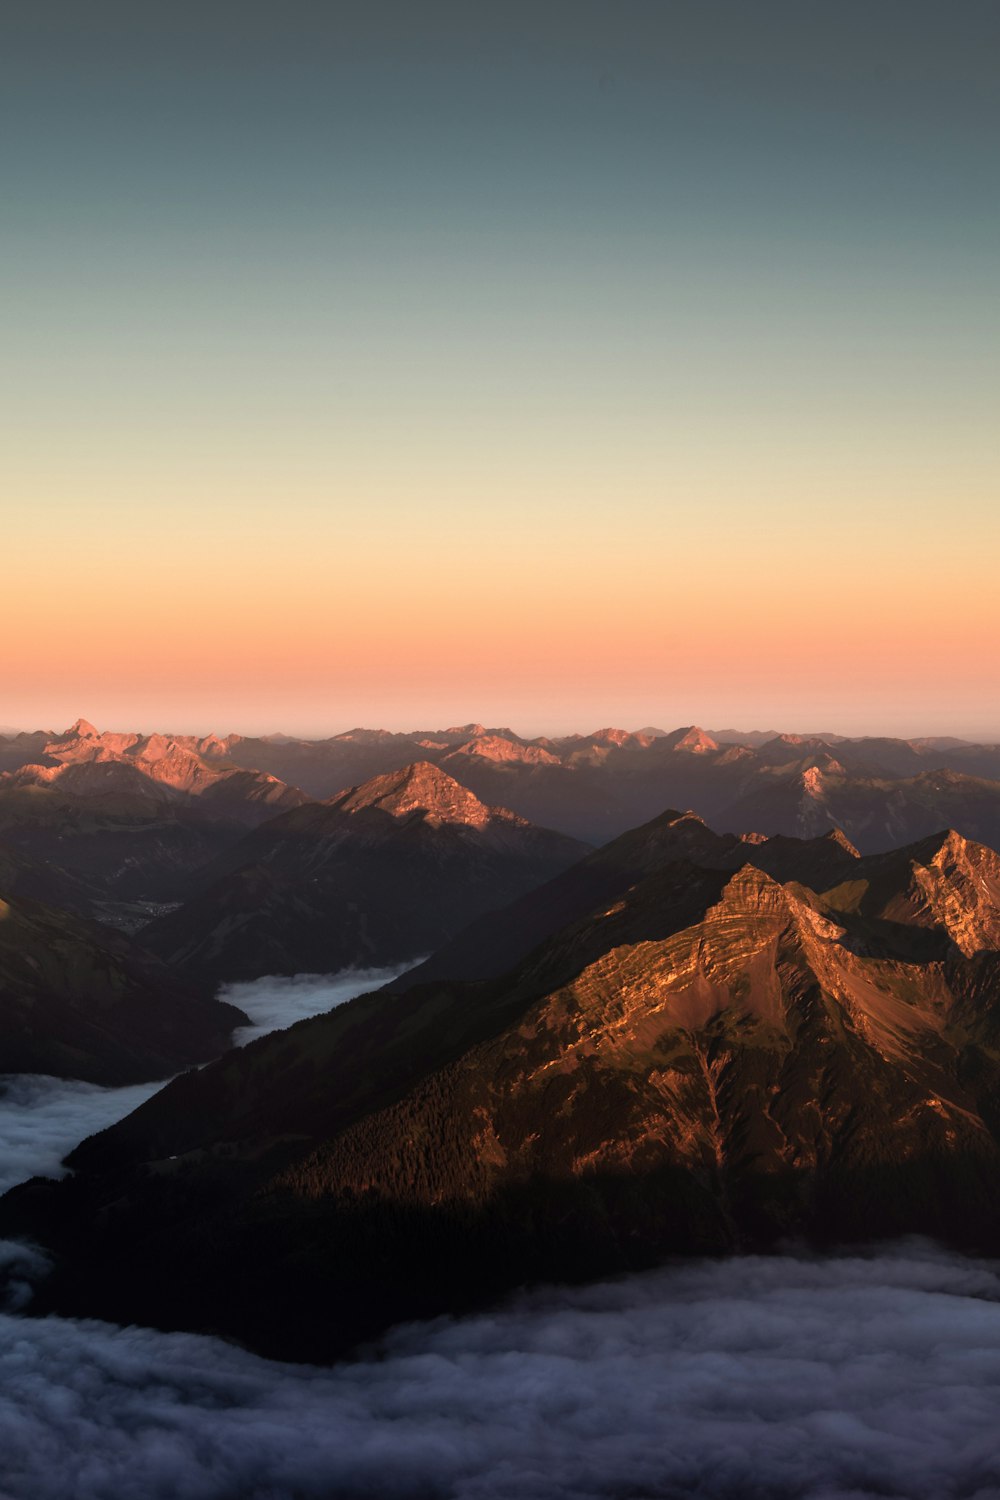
column 843, row 1377
column 833, row 1379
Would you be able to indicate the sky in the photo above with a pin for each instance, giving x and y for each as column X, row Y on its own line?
column 547, row 365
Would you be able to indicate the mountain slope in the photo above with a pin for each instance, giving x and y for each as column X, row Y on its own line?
column 78, row 1001
column 876, row 812
column 500, row 939
column 380, row 874
column 129, row 835
column 713, row 1058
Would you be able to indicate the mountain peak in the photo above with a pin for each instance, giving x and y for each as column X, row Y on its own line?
column 838, row 836
column 418, row 787
column 751, row 888
column 947, row 844
column 82, row 730
column 812, row 782
column 691, row 739
column 497, row 747
column 946, row 882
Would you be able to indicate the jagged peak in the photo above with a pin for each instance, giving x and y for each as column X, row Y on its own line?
column 750, row 879
column 812, row 781
column 939, row 848
column 837, row 836
column 498, row 748
column 418, row 787
column 82, row 730
column 609, row 735
column 693, row 739
column 950, row 849
column 751, row 894
column 944, row 881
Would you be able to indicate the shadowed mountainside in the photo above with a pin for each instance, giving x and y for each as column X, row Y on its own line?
column 708, row 1058
column 129, row 818
column 382, row 873
column 80, row 1001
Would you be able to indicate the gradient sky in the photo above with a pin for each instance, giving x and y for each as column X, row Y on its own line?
column 548, row 364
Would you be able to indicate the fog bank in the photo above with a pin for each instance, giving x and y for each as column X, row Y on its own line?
column 819, row 1379
column 276, row 1002
column 42, row 1118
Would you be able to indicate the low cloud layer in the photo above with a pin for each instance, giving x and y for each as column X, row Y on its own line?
column 274, row 1002
column 42, row 1118
column 750, row 1379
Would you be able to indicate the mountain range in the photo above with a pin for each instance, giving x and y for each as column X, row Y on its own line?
column 686, row 1042
column 132, row 817
column 177, row 802
column 384, row 873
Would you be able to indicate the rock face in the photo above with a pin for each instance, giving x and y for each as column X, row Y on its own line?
column 709, row 1056
column 382, row 873
column 78, row 1001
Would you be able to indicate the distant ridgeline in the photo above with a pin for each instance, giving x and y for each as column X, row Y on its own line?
column 881, row 792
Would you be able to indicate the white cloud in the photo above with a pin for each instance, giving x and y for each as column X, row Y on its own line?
column 821, row 1379
column 274, row 1002
column 42, row 1118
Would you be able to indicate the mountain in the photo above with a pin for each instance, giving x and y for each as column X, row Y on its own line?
column 496, row 747
column 79, row 1001
column 803, row 796
column 380, row 874
column 692, row 739
column 182, row 764
column 132, row 817
column 709, row 1059
column 589, row 786
column 500, row 939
